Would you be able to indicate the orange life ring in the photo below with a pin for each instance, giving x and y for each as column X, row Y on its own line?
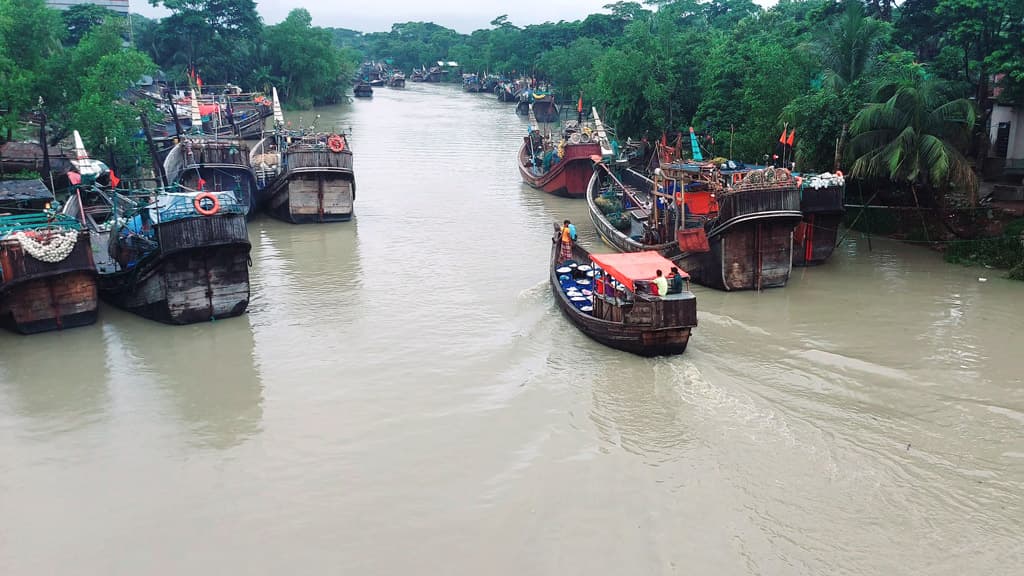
column 679, row 198
column 198, row 204
column 336, row 143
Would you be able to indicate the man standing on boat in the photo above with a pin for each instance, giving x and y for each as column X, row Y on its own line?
column 568, row 236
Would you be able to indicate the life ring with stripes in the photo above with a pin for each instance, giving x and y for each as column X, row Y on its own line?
column 336, row 143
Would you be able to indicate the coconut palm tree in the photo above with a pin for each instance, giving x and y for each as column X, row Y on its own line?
column 912, row 133
column 849, row 45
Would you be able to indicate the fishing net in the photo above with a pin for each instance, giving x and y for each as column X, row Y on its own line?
column 50, row 246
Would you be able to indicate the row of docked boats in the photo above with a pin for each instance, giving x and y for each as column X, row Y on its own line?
column 173, row 249
column 722, row 224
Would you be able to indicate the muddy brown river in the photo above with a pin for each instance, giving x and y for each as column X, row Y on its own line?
column 403, row 397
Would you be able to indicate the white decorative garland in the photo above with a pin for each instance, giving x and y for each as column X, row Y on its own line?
column 56, row 248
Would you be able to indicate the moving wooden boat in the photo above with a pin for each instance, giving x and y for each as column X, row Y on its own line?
column 310, row 177
column 47, row 274
column 561, row 167
column 178, row 256
column 821, row 203
column 608, row 297
column 212, row 165
column 397, row 80
column 362, row 90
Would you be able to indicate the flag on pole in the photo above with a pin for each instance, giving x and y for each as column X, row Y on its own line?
column 792, row 135
column 782, row 138
column 114, row 180
column 201, row 183
column 579, row 104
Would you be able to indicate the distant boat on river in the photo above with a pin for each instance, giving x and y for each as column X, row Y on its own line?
column 397, row 80
column 362, row 89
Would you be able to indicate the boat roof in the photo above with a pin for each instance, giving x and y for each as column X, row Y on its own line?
column 22, row 190
column 631, row 266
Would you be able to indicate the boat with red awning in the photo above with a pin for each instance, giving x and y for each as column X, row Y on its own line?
column 611, row 298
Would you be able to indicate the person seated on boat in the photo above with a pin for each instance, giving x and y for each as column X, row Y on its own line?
column 675, row 285
column 661, row 283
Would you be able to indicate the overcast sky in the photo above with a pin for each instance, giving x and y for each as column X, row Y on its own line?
column 379, row 15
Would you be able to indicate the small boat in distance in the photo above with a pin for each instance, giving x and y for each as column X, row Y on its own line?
column 418, row 75
column 821, row 203
column 561, row 167
column 609, row 298
column 397, row 80
column 544, row 107
column 471, row 83
column 362, row 89
column 47, row 275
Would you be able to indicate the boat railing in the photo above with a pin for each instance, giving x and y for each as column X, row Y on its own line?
column 741, row 203
column 302, row 159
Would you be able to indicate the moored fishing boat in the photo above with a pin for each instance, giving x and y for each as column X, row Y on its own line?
column 506, row 92
column 418, row 75
column 608, row 298
column 308, row 176
column 562, row 167
column 544, row 107
column 397, row 80
column 362, row 89
column 174, row 255
column 47, row 275
column 821, row 203
column 490, row 82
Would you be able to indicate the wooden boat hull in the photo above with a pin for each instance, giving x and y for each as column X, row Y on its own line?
column 397, row 83
column 545, row 111
column 816, row 236
column 569, row 177
column 523, row 108
column 39, row 296
column 201, row 273
column 314, row 197
column 620, row 335
column 363, row 91
column 240, row 180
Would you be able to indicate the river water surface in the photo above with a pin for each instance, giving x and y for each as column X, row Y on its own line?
column 403, row 397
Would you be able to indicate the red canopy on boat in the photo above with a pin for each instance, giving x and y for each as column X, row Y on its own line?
column 632, row 266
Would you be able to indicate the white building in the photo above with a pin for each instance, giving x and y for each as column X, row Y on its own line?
column 120, row 6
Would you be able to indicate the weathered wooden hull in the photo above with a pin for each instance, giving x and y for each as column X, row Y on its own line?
column 40, row 296
column 752, row 255
column 523, row 108
column 816, row 236
column 615, row 333
column 238, row 179
column 314, row 197
column 201, row 273
column 397, row 83
column 362, row 91
column 569, row 177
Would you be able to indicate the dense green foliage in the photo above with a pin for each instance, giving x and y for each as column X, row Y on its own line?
column 225, row 41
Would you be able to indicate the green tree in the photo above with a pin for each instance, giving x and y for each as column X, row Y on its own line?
column 913, row 133
column 304, row 58
column 81, row 18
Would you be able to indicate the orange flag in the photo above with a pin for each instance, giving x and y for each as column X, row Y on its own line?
column 114, row 180
column 579, row 105
column 782, row 138
column 792, row 135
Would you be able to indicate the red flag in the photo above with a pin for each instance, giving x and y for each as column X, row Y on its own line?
column 75, row 178
column 201, row 183
column 579, row 104
column 114, row 180
column 782, row 139
column 199, row 82
column 664, row 139
column 791, row 136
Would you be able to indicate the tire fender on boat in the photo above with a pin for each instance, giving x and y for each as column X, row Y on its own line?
column 214, row 207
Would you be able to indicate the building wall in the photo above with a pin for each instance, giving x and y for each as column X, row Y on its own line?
column 115, row 5
column 1015, row 116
